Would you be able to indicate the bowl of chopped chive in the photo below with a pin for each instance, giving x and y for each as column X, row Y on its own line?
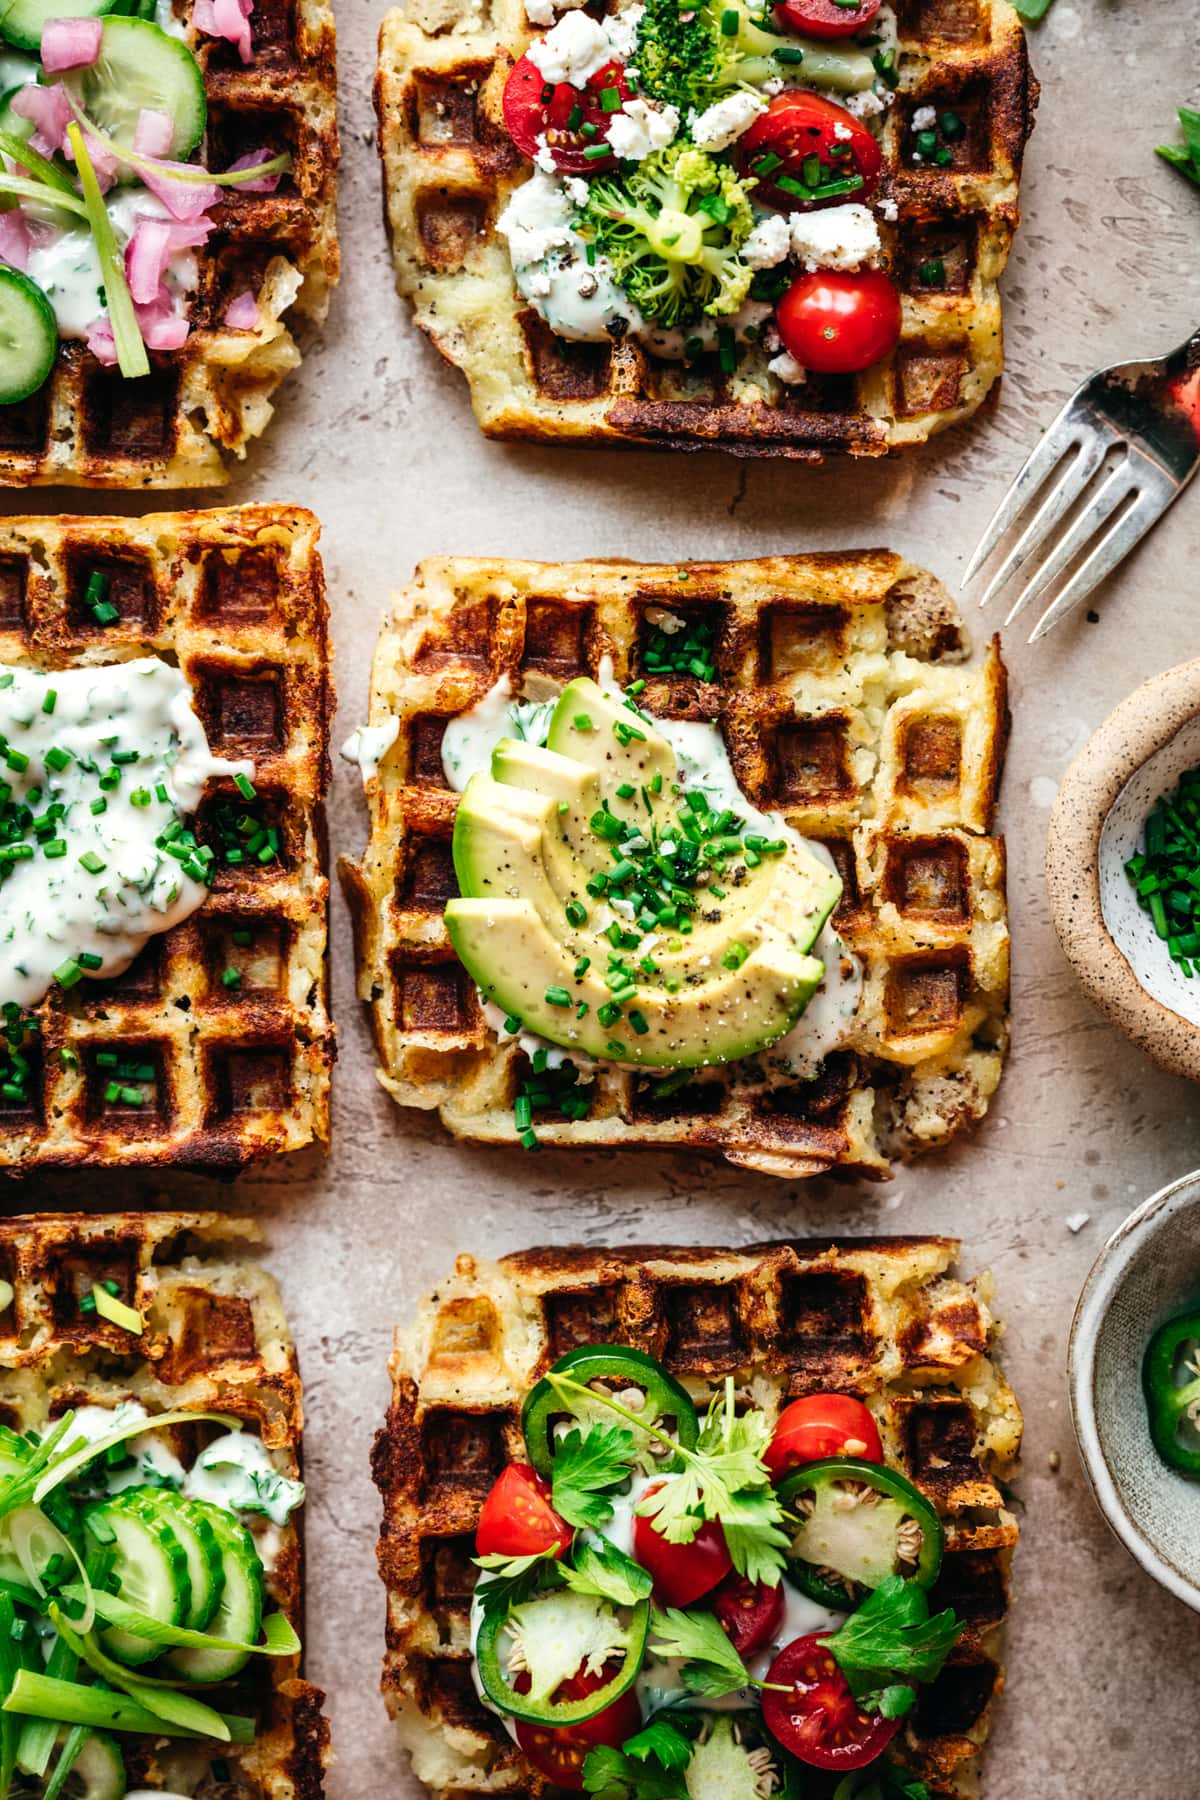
column 1123, row 868
column 1133, row 1358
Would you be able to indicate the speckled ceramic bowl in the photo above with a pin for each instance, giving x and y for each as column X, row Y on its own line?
column 1137, row 755
column 1148, row 1271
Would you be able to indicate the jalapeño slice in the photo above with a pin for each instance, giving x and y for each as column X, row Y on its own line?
column 619, row 1367
column 1171, row 1385
column 545, row 1710
column 855, row 1544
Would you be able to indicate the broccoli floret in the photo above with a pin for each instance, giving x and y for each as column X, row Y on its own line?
column 672, row 230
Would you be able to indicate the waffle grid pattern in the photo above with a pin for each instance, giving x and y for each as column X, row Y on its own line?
column 449, row 169
column 216, row 1339
column 842, row 702
column 238, row 599
column 202, row 405
column 882, row 1319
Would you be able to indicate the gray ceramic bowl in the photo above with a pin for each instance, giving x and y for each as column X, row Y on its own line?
column 1148, row 1271
column 1136, row 756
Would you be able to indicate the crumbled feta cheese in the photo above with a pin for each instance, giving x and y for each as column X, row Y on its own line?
column 769, row 242
column 539, row 285
column 668, row 622
column 541, row 12
column 577, row 190
column 719, row 125
column 575, row 50
column 866, row 105
column 543, row 156
column 1077, row 1221
column 621, row 31
column 775, row 86
column 841, row 237
column 788, row 369
column 887, row 209
column 842, row 132
column 641, row 127
column 925, row 118
column 536, row 219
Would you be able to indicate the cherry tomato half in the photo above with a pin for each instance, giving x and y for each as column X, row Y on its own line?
column 822, row 1425
column 826, row 18
column 681, row 1572
column 559, row 1754
column 518, row 1519
column 838, row 324
column 818, row 1719
column 811, row 144
column 750, row 1611
column 573, row 120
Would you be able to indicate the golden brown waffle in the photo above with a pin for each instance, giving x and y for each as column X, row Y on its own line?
column 879, row 1318
column 842, row 706
column 199, row 406
column 238, row 598
column 216, row 1339
column 449, row 168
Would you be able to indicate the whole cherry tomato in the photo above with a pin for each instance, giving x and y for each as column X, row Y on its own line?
column 821, row 1425
column 837, row 324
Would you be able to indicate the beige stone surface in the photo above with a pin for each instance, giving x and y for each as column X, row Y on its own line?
column 378, row 437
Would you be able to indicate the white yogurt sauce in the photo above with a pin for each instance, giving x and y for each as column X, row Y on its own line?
column 154, row 1463
column 53, row 909
column 66, row 266
column 367, row 745
column 703, row 760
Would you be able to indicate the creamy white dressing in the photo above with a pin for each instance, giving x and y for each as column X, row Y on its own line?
column 703, row 761
column 66, row 263
column 154, row 1463
column 236, row 1472
column 367, row 746
column 53, row 909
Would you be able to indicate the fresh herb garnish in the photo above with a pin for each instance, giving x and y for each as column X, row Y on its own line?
column 1185, row 158
column 588, row 1467
column 892, row 1642
column 712, row 1666
column 662, row 1741
column 511, row 1579
column 883, row 1780
column 1165, row 872
column 599, row 1568
column 612, row 1775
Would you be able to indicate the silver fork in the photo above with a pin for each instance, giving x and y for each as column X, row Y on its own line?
column 1143, row 420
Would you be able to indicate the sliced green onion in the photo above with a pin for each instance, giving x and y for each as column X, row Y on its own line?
column 279, row 1639
column 42, row 1697
column 131, row 351
column 114, row 1310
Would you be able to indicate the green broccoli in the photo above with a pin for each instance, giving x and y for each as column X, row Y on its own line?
column 678, row 51
column 672, row 230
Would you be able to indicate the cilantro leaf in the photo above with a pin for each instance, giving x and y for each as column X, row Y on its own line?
column 892, row 1702
column 614, row 1776
column 1187, row 159
column 663, row 1741
column 711, row 1666
column 892, row 1635
column 587, row 1467
column 601, row 1569
column 508, row 1580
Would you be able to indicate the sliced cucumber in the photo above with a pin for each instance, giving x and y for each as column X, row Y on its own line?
column 98, row 1772
column 150, row 1568
column 206, row 1571
column 140, row 69
column 16, row 70
column 239, row 1614
column 28, row 336
column 22, row 21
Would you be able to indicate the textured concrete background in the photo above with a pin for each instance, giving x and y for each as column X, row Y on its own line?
column 378, row 438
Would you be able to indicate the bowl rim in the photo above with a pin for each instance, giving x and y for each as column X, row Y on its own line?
column 1094, row 1300
column 1137, row 729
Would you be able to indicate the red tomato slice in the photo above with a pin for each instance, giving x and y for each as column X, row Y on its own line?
column 822, row 1425
column 750, row 1611
column 681, row 1572
column 518, row 1519
column 560, row 1754
column 837, row 324
column 573, row 120
column 825, row 18
column 818, row 1719
column 808, row 142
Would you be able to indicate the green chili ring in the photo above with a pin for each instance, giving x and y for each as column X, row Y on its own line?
column 665, row 1398
column 1167, row 1401
column 556, row 1713
column 892, row 1486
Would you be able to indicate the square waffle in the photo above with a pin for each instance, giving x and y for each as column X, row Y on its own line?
column 238, row 599
column 882, row 1319
column 216, row 1339
column 843, row 705
column 449, row 169
column 178, row 426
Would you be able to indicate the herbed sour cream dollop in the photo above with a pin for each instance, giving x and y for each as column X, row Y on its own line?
column 102, row 767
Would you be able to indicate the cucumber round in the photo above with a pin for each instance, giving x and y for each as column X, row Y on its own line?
column 15, row 1455
column 206, row 1571
column 98, row 1772
column 141, row 68
column 150, row 1569
column 16, row 70
column 239, row 1614
column 21, row 21
column 28, row 336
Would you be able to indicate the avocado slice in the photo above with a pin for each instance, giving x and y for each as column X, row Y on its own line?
column 535, row 846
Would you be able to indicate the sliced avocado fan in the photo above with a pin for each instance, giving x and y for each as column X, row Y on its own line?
column 620, row 916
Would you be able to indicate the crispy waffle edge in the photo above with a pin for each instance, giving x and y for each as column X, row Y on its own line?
column 924, row 883
column 882, row 1318
column 201, row 407
column 217, row 1339
column 238, row 595
column 449, row 168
